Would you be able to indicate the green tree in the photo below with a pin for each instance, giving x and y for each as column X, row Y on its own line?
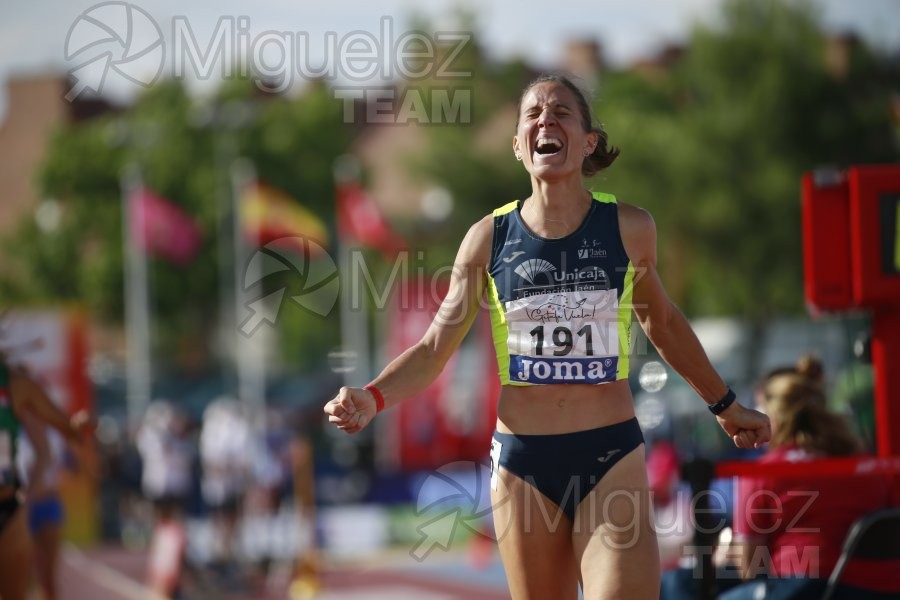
column 716, row 150
column 182, row 150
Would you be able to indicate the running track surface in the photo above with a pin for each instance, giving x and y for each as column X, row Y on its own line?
column 112, row 573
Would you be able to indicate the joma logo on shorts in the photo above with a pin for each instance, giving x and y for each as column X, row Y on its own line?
column 561, row 370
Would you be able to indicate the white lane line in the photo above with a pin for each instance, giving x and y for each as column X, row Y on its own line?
column 108, row 577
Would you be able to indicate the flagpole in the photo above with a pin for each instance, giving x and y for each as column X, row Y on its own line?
column 226, row 252
column 137, row 303
column 250, row 347
column 225, row 120
column 353, row 314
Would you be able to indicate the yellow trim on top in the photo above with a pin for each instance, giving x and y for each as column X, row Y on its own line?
column 506, row 208
column 499, row 330
column 511, row 206
column 604, row 197
column 624, row 316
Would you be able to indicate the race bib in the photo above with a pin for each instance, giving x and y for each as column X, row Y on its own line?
column 564, row 337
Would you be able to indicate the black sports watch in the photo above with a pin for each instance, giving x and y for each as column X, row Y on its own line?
column 717, row 408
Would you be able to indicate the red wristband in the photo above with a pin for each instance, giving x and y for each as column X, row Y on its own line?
column 379, row 399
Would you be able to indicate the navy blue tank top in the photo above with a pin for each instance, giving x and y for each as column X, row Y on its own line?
column 561, row 308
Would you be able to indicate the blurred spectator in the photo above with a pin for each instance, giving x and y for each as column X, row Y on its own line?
column 227, row 453
column 854, row 391
column 305, row 579
column 790, row 530
column 269, row 483
column 802, row 429
column 663, row 468
column 167, row 455
column 808, row 366
column 271, row 468
column 854, row 396
column 671, row 501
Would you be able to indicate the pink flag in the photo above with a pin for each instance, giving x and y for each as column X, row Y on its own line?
column 163, row 228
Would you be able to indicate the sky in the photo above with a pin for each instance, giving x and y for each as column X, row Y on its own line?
column 33, row 35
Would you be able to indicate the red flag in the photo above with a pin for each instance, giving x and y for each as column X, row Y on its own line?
column 359, row 219
column 164, row 228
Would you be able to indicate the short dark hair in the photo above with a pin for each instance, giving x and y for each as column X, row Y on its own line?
column 603, row 155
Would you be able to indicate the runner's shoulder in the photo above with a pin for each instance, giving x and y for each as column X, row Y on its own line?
column 476, row 245
column 636, row 219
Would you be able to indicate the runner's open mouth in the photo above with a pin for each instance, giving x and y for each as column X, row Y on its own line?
column 547, row 147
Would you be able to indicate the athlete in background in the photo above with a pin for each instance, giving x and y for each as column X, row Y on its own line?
column 20, row 396
column 41, row 457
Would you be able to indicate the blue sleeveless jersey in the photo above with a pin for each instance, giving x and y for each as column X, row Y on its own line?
column 561, row 308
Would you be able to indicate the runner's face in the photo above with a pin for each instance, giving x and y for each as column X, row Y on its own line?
column 550, row 137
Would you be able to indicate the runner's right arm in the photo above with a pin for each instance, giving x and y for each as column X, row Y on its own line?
column 414, row 370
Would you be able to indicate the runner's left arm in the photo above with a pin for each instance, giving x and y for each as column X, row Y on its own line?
column 670, row 332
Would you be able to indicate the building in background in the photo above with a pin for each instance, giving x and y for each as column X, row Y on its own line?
column 35, row 108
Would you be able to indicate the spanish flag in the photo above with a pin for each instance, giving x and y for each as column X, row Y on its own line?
column 269, row 215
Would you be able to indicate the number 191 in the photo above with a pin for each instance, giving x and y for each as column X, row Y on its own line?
column 563, row 340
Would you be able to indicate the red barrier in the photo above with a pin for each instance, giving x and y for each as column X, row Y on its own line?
column 888, row 466
column 825, row 467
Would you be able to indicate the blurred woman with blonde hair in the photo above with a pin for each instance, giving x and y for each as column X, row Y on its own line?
column 796, row 405
column 790, row 529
